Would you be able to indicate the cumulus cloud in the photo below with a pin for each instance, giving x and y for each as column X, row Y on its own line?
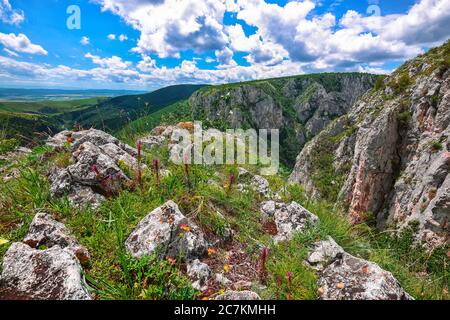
column 123, row 37
column 225, row 58
column 20, row 43
column 85, row 41
column 9, row 15
column 114, row 62
column 292, row 31
column 168, row 27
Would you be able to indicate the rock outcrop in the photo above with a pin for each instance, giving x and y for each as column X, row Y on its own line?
column 168, row 233
column 345, row 277
column 199, row 273
column 391, row 153
column 46, row 266
column 289, row 218
column 96, row 169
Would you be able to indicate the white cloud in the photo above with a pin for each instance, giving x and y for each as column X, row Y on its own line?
column 9, row 15
column 85, row 41
column 170, row 26
column 292, row 31
column 111, row 36
column 225, row 58
column 20, row 43
column 123, row 37
column 10, row 52
column 114, row 62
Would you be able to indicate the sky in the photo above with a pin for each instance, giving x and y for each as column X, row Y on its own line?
column 148, row 44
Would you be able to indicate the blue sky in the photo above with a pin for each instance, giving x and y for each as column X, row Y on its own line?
column 147, row 44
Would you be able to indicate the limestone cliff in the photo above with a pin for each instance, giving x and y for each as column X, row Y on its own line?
column 389, row 156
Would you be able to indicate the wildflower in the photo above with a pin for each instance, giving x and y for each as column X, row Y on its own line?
column 171, row 260
column 226, row 268
column 278, row 287
column 212, row 252
column 185, row 228
column 70, row 139
column 156, row 167
column 139, row 159
column 95, row 169
column 289, row 286
column 262, row 271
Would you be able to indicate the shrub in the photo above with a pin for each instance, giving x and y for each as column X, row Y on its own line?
column 404, row 116
column 379, row 84
column 436, row 146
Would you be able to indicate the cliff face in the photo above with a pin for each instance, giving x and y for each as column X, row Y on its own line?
column 299, row 106
column 390, row 156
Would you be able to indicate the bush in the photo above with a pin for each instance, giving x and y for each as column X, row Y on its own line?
column 379, row 84
column 436, row 146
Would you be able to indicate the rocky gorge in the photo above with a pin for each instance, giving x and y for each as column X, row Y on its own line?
column 362, row 216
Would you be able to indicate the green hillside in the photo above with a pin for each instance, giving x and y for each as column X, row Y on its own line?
column 27, row 128
column 114, row 113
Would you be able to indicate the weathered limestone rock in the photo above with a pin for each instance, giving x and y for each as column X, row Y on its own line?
column 291, row 218
column 32, row 274
column 238, row 295
column 357, row 279
column 345, row 277
column 392, row 151
column 261, row 185
column 151, row 142
column 324, row 253
column 258, row 183
column 199, row 273
column 96, row 170
column 45, row 231
column 167, row 232
column 46, row 266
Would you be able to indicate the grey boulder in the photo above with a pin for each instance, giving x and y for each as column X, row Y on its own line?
column 167, row 232
column 345, row 277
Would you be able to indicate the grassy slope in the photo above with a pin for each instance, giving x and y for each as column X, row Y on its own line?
column 114, row 275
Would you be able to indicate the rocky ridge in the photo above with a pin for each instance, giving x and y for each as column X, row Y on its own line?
column 390, row 153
